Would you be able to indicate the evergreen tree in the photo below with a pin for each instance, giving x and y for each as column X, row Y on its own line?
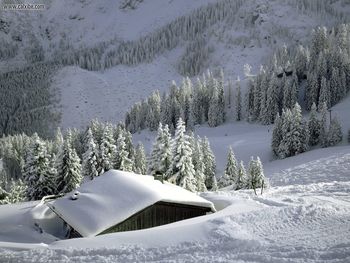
column 214, row 109
column 272, row 101
column 184, row 173
column 166, row 154
column 68, row 167
column 155, row 159
column 39, row 176
column 209, row 163
column 242, row 179
column 58, row 141
column 107, row 149
column 90, row 166
column 140, row 163
column 314, row 126
column 335, row 134
column 256, row 175
column 16, row 193
column 349, row 136
column 153, row 113
column 199, row 165
column 325, row 95
column 122, row 161
column 311, row 90
column 323, row 125
column 230, row 175
column 277, row 135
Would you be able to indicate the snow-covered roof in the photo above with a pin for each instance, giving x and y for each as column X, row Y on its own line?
column 115, row 196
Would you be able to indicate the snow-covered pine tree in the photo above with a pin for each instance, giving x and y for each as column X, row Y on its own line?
column 272, row 101
column 107, row 149
column 68, row 167
column 58, row 141
column 314, row 126
column 166, row 153
column 311, row 90
column 199, row 165
column 153, row 113
column 277, row 135
column 298, row 133
column 38, row 175
column 209, row 163
column 230, row 176
column 238, row 104
column 325, row 95
column 97, row 129
column 256, row 175
column 90, row 164
column 122, row 161
column 129, row 146
column 140, row 162
column 155, row 158
column 323, row 125
column 17, row 193
column 214, row 118
column 285, row 144
column 242, row 180
column 182, row 164
column 349, row 136
column 335, row 86
column 335, row 134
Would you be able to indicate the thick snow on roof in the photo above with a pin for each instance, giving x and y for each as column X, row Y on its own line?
column 115, row 196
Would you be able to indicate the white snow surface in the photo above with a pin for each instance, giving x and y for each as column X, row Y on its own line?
column 301, row 218
column 115, row 196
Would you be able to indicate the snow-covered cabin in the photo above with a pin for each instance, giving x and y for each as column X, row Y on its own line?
column 121, row 201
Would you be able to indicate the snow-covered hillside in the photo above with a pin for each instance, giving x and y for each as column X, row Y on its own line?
column 250, row 36
column 304, row 219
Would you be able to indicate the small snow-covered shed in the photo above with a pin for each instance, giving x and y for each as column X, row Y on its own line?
column 120, row 201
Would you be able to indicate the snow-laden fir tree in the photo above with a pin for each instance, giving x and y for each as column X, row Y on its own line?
column 17, row 193
column 349, row 136
column 314, row 126
column 335, row 134
column 295, row 135
column 231, row 170
column 242, row 180
column 153, row 113
column 107, row 149
column 238, row 104
column 122, row 160
column 299, row 135
column 140, row 162
column 209, row 163
column 323, row 125
column 155, row 158
column 68, row 167
column 272, row 99
column 256, row 177
column 38, row 174
column 58, row 141
column 216, row 111
column 199, row 165
column 97, row 129
column 166, row 154
column 325, row 95
column 277, row 135
column 184, row 173
column 91, row 163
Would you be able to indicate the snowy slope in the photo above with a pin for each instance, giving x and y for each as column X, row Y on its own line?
column 234, row 44
column 306, row 221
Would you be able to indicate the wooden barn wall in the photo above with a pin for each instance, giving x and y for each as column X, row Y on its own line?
column 158, row 214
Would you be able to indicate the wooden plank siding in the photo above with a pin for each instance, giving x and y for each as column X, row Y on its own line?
column 158, row 214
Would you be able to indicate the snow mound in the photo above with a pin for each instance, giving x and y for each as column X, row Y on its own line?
column 115, row 196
